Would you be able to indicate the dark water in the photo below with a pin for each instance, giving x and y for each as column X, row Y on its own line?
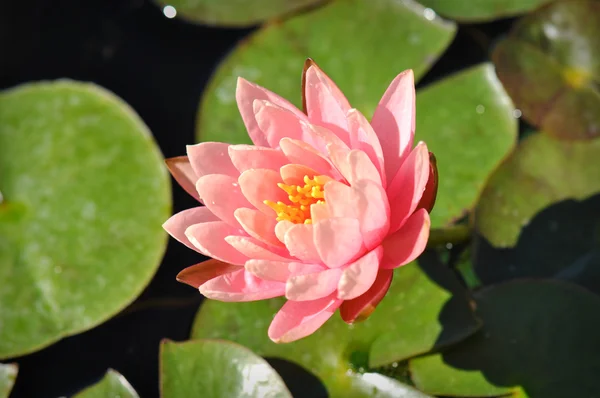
column 160, row 67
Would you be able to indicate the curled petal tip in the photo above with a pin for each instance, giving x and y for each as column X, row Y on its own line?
column 430, row 194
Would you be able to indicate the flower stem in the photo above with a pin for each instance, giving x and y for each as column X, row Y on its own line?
column 454, row 235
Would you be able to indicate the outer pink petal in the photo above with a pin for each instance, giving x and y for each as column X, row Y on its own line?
column 296, row 319
column 408, row 242
column 259, row 185
column 312, row 286
column 222, row 195
column 245, row 95
column 209, row 239
column 319, row 212
column 300, row 243
column 241, row 286
column 360, row 308
column 211, row 158
column 360, row 275
column 252, row 248
column 302, row 153
column 181, row 170
column 326, row 105
column 201, row 273
column 246, row 157
column 178, row 223
column 364, row 138
column 407, row 187
column 258, row 225
column 338, row 241
column 394, row 121
column 278, row 271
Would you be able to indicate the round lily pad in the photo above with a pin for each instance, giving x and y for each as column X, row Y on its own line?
column 428, row 305
column 362, row 58
column 237, row 13
column 111, row 385
column 216, row 369
column 540, row 172
column 539, row 339
column 482, row 10
column 466, row 120
column 550, row 65
column 8, row 374
column 84, row 193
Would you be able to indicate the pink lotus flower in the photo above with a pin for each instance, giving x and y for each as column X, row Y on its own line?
column 320, row 210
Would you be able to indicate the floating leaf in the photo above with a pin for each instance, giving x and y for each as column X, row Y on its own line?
column 562, row 241
column 550, row 65
column 540, row 172
column 111, row 385
column 426, row 316
column 466, row 120
column 216, row 369
column 538, row 336
column 482, row 10
column 361, row 57
column 85, row 192
column 236, row 13
column 8, row 374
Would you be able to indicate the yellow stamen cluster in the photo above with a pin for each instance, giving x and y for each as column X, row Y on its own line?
column 301, row 198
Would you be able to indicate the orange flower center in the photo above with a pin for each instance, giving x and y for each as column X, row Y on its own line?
column 301, row 198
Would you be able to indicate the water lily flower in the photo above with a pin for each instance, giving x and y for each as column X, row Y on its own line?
column 321, row 208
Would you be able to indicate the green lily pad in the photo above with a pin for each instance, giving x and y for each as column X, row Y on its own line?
column 541, row 171
column 466, row 120
column 236, row 13
column 341, row 37
column 216, row 369
column 562, row 241
column 85, row 192
column 550, row 65
column 111, row 385
column 538, row 336
column 8, row 375
column 428, row 305
column 482, row 10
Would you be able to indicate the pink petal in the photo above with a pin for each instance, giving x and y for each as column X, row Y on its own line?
column 209, row 239
column 326, row 105
column 211, row 158
column 407, row 187
column 300, row 243
column 241, row 286
column 269, row 270
column 338, row 241
column 258, row 225
column 245, row 95
column 360, row 275
column 252, row 248
column 408, row 242
column 319, row 212
column 361, row 168
column 181, row 170
column 281, row 229
column 277, row 123
column 296, row 320
column 279, row 270
column 362, row 307
column 312, row 286
column 246, row 157
column 222, row 195
column 366, row 202
column 201, row 273
column 293, row 174
column 302, row 153
column 259, row 185
column 394, row 121
column 178, row 223
column 363, row 137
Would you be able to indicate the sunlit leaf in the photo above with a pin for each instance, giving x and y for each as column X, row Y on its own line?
column 482, row 10
column 8, row 374
column 111, row 385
